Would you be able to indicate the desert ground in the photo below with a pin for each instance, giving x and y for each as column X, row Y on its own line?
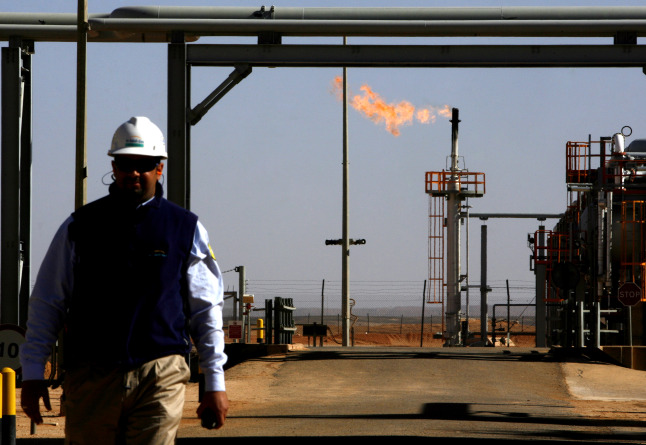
column 396, row 335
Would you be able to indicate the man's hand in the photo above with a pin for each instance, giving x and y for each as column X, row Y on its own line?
column 216, row 401
column 30, row 395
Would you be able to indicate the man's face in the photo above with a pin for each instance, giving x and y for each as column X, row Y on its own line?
column 137, row 175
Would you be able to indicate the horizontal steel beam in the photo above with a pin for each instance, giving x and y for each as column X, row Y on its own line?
column 540, row 216
column 486, row 56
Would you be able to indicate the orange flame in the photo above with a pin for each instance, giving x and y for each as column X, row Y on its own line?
column 391, row 115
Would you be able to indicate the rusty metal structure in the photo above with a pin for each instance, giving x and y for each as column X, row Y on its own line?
column 591, row 266
column 447, row 190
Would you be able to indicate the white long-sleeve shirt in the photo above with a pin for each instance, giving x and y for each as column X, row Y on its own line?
column 54, row 287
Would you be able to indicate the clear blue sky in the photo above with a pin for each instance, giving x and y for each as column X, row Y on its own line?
column 267, row 158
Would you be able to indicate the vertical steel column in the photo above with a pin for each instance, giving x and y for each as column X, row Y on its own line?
column 25, row 183
column 483, row 284
column 540, row 270
column 345, row 241
column 278, row 320
column 595, row 324
column 241, row 291
column 269, row 322
column 177, row 125
column 187, row 129
column 80, row 197
column 453, row 242
column 579, row 323
column 10, row 182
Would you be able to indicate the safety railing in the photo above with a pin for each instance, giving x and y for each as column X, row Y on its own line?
column 633, row 244
column 467, row 183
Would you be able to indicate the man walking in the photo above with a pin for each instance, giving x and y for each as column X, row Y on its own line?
column 130, row 278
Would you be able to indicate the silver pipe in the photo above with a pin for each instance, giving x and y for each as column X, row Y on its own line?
column 583, row 13
column 393, row 13
column 501, row 14
column 48, row 26
column 377, row 28
column 43, row 19
column 39, row 32
column 68, row 33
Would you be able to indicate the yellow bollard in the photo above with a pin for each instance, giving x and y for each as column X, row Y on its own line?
column 260, row 328
column 2, row 408
column 9, row 406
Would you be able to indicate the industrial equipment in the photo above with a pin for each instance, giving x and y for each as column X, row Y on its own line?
column 447, row 190
column 590, row 268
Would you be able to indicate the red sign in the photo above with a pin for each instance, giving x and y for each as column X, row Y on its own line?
column 629, row 294
column 235, row 329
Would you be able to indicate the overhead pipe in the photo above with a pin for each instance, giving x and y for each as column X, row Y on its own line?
column 43, row 19
column 392, row 13
column 378, row 28
column 488, row 21
column 291, row 13
column 68, row 33
column 601, row 13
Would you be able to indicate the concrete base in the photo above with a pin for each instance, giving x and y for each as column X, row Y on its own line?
column 633, row 357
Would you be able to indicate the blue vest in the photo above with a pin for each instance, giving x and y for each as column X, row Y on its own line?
column 129, row 296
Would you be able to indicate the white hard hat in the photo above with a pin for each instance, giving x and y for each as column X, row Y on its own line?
column 138, row 136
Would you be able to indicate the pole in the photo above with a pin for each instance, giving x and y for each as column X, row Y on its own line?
column 345, row 248
column 322, row 312
column 80, row 195
column 322, row 300
column 241, row 290
column 26, row 185
column 466, row 280
column 421, row 337
column 177, row 98
column 452, row 335
column 508, row 312
column 540, row 270
column 11, row 104
column 483, row 283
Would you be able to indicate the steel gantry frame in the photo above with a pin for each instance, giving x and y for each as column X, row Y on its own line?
column 180, row 25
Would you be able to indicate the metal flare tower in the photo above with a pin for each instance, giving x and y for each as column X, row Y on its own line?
column 447, row 190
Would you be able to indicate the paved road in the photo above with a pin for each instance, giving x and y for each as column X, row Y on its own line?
column 468, row 395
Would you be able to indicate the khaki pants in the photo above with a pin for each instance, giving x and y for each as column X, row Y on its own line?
column 141, row 406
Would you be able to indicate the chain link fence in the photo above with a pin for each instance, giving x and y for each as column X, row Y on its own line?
column 394, row 312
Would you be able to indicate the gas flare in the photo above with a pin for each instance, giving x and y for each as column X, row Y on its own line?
column 392, row 115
